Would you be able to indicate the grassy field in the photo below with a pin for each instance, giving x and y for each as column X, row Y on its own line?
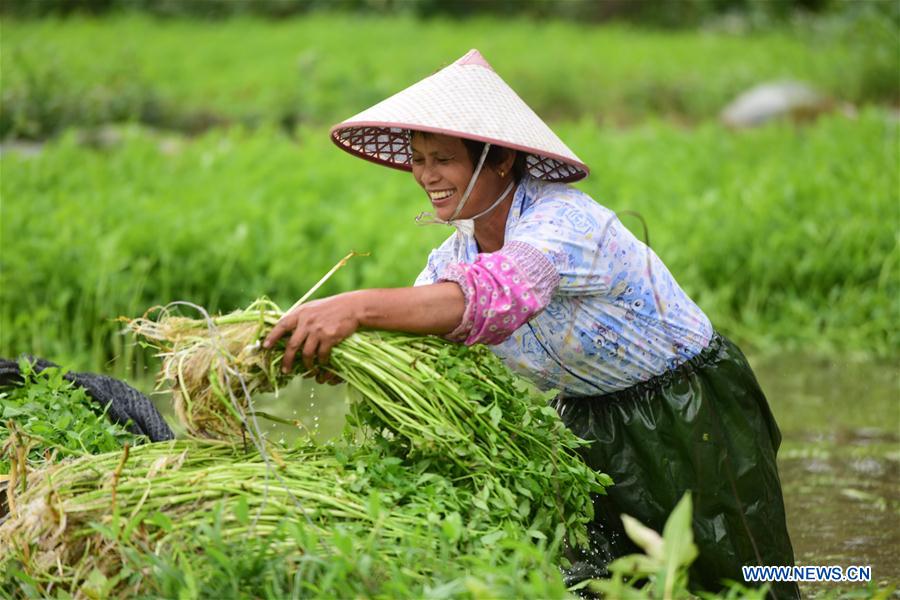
column 782, row 234
column 190, row 75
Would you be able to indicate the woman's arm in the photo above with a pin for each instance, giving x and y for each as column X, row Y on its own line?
column 316, row 327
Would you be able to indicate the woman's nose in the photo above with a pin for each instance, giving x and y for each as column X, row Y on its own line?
column 429, row 174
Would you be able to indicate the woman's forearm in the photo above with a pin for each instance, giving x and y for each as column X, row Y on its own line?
column 314, row 328
column 428, row 309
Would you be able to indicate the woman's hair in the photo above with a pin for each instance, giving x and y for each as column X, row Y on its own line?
column 494, row 157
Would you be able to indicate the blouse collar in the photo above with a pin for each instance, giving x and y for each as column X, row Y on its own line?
column 523, row 191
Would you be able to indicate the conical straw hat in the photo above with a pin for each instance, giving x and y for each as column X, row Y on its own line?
column 466, row 99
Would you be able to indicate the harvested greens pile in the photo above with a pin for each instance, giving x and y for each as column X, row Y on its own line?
column 453, row 478
column 48, row 418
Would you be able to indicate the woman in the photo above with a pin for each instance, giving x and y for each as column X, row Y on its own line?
column 568, row 298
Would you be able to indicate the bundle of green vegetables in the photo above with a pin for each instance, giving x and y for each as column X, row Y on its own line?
column 46, row 419
column 53, row 419
column 447, row 456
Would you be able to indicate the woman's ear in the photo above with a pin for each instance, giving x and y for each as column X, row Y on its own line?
column 506, row 165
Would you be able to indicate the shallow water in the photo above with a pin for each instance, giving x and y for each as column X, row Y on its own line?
column 839, row 459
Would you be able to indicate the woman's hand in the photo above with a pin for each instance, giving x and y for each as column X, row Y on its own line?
column 316, row 328
column 319, row 326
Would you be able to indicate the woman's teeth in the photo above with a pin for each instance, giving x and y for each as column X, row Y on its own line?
column 440, row 195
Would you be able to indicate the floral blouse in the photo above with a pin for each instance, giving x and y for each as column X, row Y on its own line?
column 573, row 301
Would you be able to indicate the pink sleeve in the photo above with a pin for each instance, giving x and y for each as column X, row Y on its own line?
column 503, row 290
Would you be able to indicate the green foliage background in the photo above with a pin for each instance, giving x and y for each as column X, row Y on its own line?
column 786, row 235
column 190, row 75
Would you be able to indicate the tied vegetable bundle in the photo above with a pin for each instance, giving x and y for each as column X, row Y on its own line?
column 447, row 457
column 421, row 396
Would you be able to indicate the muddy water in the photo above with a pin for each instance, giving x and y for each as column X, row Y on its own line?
column 839, row 459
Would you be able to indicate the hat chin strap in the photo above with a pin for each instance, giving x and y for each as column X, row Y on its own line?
column 429, row 218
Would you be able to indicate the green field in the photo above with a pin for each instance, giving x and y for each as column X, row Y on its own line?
column 324, row 68
column 781, row 234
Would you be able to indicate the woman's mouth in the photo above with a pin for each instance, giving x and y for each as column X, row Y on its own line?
column 441, row 197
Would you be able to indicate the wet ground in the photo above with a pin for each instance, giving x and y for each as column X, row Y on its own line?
column 839, row 459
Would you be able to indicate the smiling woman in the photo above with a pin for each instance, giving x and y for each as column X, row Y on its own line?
column 445, row 167
column 560, row 290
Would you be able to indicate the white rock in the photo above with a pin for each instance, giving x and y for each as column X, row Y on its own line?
column 773, row 100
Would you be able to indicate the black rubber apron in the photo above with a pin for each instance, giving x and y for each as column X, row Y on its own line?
column 705, row 427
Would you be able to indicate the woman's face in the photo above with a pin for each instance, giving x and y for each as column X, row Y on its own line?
column 443, row 168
